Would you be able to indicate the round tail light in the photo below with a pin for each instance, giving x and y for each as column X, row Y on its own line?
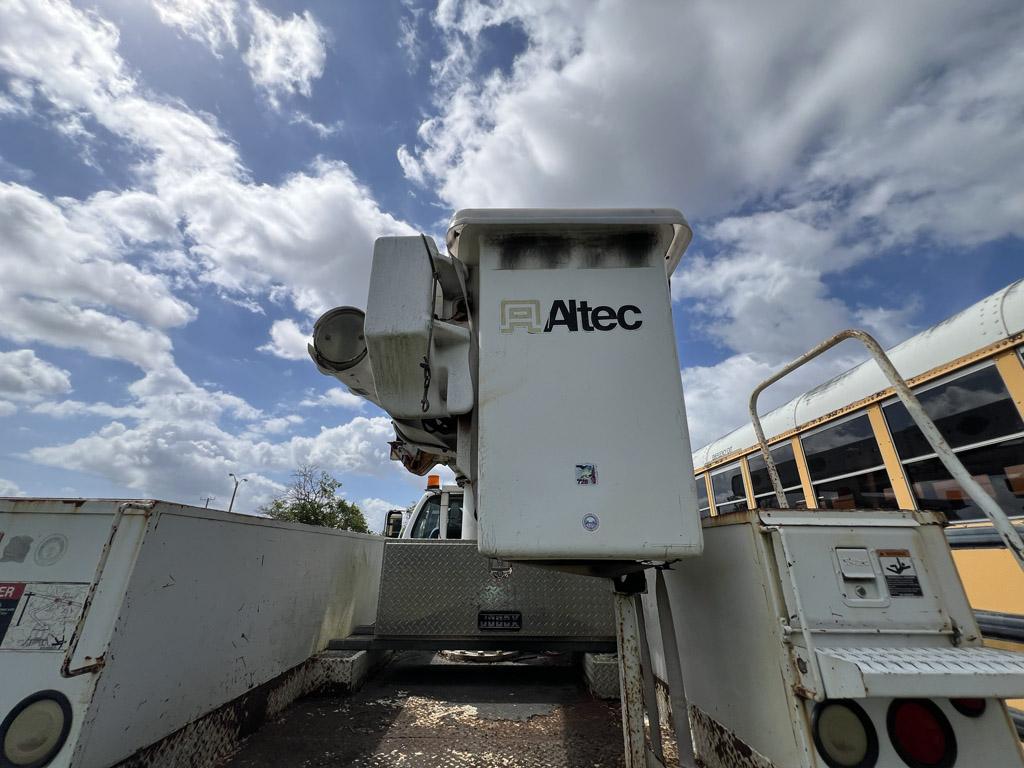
column 844, row 734
column 34, row 731
column 969, row 707
column 921, row 734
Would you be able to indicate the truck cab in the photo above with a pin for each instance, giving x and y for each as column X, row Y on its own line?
column 438, row 513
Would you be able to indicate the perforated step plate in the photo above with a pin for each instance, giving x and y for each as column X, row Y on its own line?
column 857, row 673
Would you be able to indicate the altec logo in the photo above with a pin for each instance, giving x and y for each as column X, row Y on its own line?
column 572, row 314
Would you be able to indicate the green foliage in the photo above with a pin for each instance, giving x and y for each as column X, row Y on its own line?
column 313, row 499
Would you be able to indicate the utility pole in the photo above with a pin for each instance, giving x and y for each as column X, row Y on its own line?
column 237, row 483
column 208, row 500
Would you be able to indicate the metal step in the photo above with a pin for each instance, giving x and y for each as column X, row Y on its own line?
column 857, row 673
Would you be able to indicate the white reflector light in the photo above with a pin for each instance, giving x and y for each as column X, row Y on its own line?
column 844, row 735
column 33, row 733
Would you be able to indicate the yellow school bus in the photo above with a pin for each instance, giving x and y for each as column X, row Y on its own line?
column 850, row 444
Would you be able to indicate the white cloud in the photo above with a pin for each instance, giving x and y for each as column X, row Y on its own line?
column 25, row 377
column 281, row 423
column 211, row 22
column 339, row 397
column 7, row 409
column 717, row 395
column 184, row 455
column 734, row 113
column 7, row 488
column 287, row 340
column 801, row 140
column 376, row 511
column 68, row 408
column 70, row 277
column 285, row 56
column 323, row 130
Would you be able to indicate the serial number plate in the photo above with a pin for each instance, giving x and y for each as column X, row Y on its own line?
column 507, row 621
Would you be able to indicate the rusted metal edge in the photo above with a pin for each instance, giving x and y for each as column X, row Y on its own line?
column 718, row 747
column 97, row 664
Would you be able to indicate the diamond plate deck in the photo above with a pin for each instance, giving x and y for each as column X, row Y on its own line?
column 863, row 672
column 425, row 712
column 437, row 588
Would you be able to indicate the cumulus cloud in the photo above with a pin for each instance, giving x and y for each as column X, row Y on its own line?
column 287, row 340
column 25, row 377
column 376, row 511
column 182, row 456
column 100, row 274
column 801, row 140
column 338, row 397
column 7, row 488
column 285, row 56
column 7, row 408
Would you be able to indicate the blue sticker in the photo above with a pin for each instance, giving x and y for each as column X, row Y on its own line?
column 590, row 522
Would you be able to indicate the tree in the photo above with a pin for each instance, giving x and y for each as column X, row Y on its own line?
column 313, row 499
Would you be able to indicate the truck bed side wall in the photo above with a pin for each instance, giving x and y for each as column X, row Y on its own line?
column 216, row 605
column 722, row 611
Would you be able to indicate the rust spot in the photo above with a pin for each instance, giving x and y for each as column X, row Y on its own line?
column 718, row 747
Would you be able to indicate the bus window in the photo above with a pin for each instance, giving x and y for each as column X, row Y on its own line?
column 727, row 485
column 968, row 410
column 871, row 490
column 846, row 466
column 999, row 468
column 702, row 497
column 454, row 530
column 428, row 521
column 977, row 416
column 785, row 462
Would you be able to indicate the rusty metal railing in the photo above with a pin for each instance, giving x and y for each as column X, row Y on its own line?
column 1010, row 536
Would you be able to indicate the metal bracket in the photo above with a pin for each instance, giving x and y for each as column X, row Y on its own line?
column 95, row 666
column 1010, row 536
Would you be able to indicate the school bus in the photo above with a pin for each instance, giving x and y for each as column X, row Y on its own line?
column 850, row 444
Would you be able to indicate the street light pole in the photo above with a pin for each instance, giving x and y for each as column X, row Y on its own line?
column 237, row 483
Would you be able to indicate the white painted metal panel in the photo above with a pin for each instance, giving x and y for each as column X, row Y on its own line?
column 61, row 543
column 767, row 621
column 195, row 607
column 734, row 667
column 218, row 604
column 554, row 399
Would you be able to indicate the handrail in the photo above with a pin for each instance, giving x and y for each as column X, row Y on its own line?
column 1010, row 536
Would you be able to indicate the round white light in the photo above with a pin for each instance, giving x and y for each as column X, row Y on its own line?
column 36, row 733
column 338, row 337
column 844, row 735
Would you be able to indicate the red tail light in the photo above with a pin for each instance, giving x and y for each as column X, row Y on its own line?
column 969, row 707
column 921, row 734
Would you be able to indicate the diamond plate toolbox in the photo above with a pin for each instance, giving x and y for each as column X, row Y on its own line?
column 440, row 588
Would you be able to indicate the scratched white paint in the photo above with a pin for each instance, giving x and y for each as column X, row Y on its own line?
column 195, row 608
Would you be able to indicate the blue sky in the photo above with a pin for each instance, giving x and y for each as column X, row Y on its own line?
column 186, row 185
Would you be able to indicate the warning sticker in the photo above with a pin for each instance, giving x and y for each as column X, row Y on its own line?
column 10, row 594
column 900, row 573
column 39, row 617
